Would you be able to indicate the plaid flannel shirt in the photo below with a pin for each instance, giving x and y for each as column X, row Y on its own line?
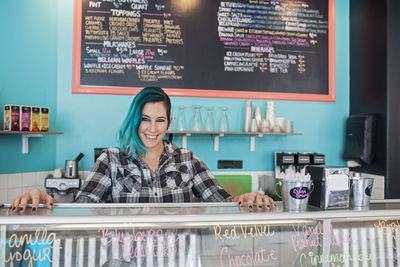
column 180, row 175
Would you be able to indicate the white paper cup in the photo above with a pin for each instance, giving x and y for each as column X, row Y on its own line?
column 58, row 173
column 280, row 121
column 288, row 126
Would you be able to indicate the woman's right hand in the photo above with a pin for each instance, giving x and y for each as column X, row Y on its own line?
column 35, row 197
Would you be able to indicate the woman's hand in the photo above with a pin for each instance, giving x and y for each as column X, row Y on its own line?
column 255, row 198
column 35, row 197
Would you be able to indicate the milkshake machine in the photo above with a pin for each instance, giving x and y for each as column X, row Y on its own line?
column 294, row 163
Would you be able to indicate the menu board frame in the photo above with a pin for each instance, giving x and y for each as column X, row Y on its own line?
column 77, row 88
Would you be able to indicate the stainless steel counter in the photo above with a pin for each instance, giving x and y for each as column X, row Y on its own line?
column 200, row 234
column 185, row 212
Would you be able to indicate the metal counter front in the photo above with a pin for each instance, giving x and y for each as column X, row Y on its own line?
column 218, row 234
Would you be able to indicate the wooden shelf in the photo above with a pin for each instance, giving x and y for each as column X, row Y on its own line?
column 216, row 135
column 26, row 132
column 26, row 135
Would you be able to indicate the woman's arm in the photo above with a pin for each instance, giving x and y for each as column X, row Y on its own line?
column 205, row 186
column 98, row 183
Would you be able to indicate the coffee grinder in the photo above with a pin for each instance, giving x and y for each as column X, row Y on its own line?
column 62, row 189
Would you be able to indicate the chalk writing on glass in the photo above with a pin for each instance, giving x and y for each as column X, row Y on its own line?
column 36, row 247
column 308, row 236
column 133, row 243
column 332, row 259
column 392, row 227
column 250, row 258
column 242, row 231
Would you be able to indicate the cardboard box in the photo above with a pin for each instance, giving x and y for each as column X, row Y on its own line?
column 44, row 119
column 35, row 119
column 25, row 118
column 15, row 123
column 7, row 118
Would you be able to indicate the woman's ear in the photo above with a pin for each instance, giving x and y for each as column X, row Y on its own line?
column 170, row 122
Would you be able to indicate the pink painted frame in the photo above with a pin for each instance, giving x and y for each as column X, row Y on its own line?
column 77, row 88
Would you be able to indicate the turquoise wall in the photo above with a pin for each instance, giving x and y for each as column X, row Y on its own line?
column 90, row 121
column 28, row 76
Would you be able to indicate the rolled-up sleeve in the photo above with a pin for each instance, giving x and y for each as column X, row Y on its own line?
column 98, row 184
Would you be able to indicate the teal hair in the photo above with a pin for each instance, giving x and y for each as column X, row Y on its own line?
column 128, row 137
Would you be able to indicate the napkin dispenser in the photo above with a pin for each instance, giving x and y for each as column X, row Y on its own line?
column 331, row 187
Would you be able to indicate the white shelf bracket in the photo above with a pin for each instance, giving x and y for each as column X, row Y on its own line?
column 216, row 141
column 25, row 142
column 184, row 140
column 252, row 143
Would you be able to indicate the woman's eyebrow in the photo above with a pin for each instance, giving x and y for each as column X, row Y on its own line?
column 160, row 117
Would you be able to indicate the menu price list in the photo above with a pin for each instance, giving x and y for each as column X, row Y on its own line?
column 276, row 35
column 130, row 38
column 239, row 45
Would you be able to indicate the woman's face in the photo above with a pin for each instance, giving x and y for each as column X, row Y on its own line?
column 153, row 125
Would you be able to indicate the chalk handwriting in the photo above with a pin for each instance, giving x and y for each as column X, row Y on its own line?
column 242, row 231
column 113, row 37
column 133, row 243
column 250, row 258
column 332, row 259
column 306, row 236
column 257, row 25
column 390, row 226
column 30, row 254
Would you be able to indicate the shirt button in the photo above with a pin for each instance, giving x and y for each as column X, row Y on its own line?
column 155, row 194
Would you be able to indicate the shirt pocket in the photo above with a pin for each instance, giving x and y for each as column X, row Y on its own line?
column 176, row 180
column 128, row 180
column 130, row 184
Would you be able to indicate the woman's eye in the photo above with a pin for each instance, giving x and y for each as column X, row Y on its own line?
column 160, row 120
column 145, row 119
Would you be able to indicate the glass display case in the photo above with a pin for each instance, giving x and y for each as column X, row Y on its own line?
column 200, row 234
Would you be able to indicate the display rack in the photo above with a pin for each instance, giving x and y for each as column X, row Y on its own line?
column 216, row 135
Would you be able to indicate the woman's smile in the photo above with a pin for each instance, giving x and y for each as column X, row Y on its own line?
column 153, row 125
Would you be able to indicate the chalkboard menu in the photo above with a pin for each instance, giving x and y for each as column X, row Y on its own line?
column 236, row 49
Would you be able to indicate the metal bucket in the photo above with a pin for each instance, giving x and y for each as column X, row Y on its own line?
column 295, row 194
column 360, row 191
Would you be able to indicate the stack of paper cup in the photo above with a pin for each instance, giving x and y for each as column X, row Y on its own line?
column 270, row 113
column 280, row 121
column 289, row 126
column 258, row 118
column 248, row 116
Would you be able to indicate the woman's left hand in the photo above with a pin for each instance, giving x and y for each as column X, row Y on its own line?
column 255, row 198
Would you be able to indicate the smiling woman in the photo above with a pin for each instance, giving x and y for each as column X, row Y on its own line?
column 128, row 135
column 153, row 127
column 146, row 168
